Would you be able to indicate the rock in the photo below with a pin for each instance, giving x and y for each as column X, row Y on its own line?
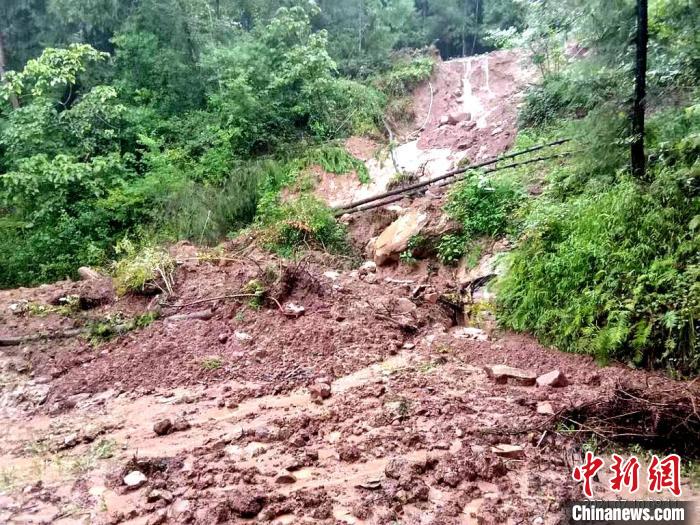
column 181, row 424
column 555, row 378
column 320, row 391
column 88, row 274
column 243, row 337
column 469, row 332
column 371, row 278
column 432, row 297
column 163, row 427
column 444, row 120
column 294, row 310
column 246, row 505
column 157, row 494
column 502, row 374
column 180, row 507
column 457, row 117
column 394, row 239
column 539, row 520
column 404, row 305
column 508, row 451
column 368, row 267
column 285, row 478
column 545, row 408
column 331, row 275
column 158, row 518
column 223, row 338
column 70, row 440
column 408, row 346
column 135, row 479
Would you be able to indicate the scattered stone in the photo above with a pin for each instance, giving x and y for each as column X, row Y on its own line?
column 555, row 378
column 444, row 120
column 223, row 338
column 158, row 494
column 545, row 408
column 70, row 440
column 469, row 332
column 432, row 297
column 371, row 278
column 163, row 427
column 331, row 275
column 368, row 267
column 404, row 305
column 285, row 478
column 408, row 346
column 246, row 505
column 502, row 374
column 320, row 391
column 135, row 479
column 457, row 117
column 243, row 337
column 181, row 424
column 294, row 310
column 508, row 451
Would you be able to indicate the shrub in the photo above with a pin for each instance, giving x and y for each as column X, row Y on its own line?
column 143, row 269
column 483, row 206
column 304, row 222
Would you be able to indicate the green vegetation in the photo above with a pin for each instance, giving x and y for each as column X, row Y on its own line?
column 211, row 363
column 608, row 263
column 115, row 325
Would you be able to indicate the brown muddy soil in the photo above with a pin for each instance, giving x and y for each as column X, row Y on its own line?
column 405, row 435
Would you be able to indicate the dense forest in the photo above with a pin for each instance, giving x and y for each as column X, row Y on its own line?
column 129, row 124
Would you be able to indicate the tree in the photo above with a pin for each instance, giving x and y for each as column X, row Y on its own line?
column 640, row 70
column 13, row 97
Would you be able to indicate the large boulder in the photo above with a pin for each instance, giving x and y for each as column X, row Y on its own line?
column 394, row 239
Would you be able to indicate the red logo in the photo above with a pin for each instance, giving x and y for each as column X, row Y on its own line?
column 662, row 474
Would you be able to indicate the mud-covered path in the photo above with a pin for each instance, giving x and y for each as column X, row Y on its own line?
column 407, row 433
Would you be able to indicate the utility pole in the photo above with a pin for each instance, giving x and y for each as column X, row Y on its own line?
column 637, row 157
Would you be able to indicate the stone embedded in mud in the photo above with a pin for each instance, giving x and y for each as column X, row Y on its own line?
column 294, row 310
column 135, row 479
column 394, row 239
column 404, row 305
column 505, row 450
column 368, row 267
column 502, row 374
column 246, row 505
column 555, row 378
column 320, row 391
column 457, row 117
column 545, row 408
column 285, row 478
column 243, row 337
column 163, row 427
column 181, row 424
column 223, row 338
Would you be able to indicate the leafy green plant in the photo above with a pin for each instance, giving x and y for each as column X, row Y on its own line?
column 482, row 206
column 451, row 247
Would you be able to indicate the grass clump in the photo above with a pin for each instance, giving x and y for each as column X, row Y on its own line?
column 211, row 363
column 142, row 270
column 115, row 325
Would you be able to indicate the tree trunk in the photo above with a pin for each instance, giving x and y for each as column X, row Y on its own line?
column 638, row 158
column 13, row 98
